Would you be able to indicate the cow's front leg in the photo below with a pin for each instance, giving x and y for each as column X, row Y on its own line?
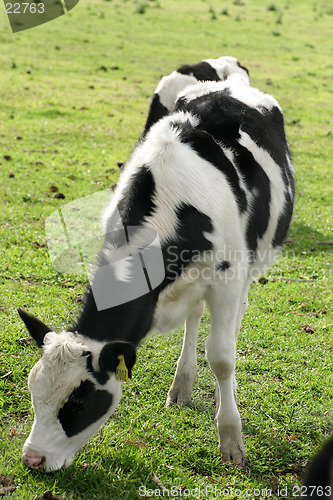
column 221, row 354
column 181, row 389
column 217, row 396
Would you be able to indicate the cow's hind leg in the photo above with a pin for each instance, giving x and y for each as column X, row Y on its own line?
column 186, row 371
column 242, row 306
column 224, row 303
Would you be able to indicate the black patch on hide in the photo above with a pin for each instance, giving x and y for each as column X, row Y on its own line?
column 156, row 111
column 84, row 406
column 223, row 266
column 201, row 71
column 206, row 147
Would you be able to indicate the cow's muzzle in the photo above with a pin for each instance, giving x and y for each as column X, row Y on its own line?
column 33, row 461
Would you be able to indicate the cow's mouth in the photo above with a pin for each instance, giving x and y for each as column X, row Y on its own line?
column 40, row 464
column 34, row 462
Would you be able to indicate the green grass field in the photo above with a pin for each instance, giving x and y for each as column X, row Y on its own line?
column 74, row 97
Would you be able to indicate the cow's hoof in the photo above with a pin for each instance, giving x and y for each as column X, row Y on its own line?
column 178, row 399
column 233, row 454
column 239, row 462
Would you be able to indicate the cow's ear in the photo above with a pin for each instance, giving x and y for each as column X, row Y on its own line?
column 37, row 328
column 114, row 356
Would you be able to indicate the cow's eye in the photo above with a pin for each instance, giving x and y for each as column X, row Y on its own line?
column 84, row 406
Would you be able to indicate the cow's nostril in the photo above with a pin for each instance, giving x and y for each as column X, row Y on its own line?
column 33, row 462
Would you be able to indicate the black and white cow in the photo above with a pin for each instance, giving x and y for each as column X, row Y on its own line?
column 189, row 74
column 214, row 180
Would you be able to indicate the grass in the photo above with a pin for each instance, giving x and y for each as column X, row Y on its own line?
column 75, row 93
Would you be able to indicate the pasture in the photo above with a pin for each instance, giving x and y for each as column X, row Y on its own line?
column 74, row 98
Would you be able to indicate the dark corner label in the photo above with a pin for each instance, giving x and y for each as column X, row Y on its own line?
column 30, row 13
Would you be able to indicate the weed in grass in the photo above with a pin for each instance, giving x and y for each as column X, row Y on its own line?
column 141, row 8
column 279, row 18
column 213, row 15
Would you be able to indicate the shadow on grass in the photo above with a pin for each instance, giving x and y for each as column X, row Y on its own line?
column 90, row 482
column 302, row 238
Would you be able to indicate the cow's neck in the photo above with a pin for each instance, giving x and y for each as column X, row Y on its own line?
column 129, row 322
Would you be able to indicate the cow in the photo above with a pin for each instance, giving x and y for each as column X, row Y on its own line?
column 213, row 180
column 189, row 74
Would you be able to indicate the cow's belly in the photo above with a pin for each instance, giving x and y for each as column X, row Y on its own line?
column 178, row 299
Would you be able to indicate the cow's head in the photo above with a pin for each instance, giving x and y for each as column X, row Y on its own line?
column 74, row 389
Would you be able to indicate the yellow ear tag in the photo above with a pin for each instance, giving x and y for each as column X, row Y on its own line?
column 122, row 371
